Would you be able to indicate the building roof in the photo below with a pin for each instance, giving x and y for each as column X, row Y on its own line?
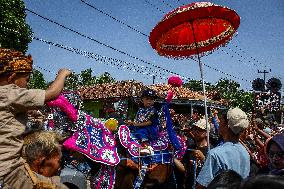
column 130, row 88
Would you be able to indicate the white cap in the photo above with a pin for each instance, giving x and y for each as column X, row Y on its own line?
column 237, row 120
column 201, row 124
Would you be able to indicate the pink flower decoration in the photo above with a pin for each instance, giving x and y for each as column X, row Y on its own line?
column 175, row 81
column 169, row 96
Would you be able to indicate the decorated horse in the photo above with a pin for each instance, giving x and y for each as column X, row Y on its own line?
column 95, row 141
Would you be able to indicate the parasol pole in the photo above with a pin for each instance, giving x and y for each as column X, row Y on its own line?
column 203, row 86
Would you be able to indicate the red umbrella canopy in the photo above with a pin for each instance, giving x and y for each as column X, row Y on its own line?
column 193, row 29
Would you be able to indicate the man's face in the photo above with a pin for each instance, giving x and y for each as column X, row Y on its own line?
column 148, row 101
column 223, row 126
column 20, row 79
column 52, row 165
column 276, row 156
column 198, row 133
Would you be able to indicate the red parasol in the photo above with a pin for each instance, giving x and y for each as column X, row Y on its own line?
column 194, row 30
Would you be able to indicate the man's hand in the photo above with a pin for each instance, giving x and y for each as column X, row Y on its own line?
column 64, row 72
column 198, row 155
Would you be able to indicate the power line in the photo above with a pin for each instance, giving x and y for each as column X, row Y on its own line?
column 237, row 57
column 103, row 44
column 147, row 35
column 102, row 58
column 46, row 70
column 167, row 4
column 226, row 73
column 90, row 38
column 84, row 54
column 243, row 51
column 215, row 69
column 250, row 57
column 117, row 20
column 220, row 71
column 154, row 6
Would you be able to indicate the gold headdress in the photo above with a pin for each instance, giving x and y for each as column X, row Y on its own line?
column 15, row 61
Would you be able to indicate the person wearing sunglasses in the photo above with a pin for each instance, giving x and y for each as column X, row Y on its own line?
column 275, row 154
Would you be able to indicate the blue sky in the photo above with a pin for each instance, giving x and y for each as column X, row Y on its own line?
column 258, row 45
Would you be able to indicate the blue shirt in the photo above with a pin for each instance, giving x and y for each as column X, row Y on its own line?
column 146, row 114
column 149, row 132
column 229, row 156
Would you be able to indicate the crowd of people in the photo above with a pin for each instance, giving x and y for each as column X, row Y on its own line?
column 32, row 159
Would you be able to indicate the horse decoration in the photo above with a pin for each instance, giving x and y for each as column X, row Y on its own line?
column 163, row 150
column 94, row 139
column 86, row 135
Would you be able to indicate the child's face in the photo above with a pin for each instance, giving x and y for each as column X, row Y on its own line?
column 148, row 101
column 20, row 79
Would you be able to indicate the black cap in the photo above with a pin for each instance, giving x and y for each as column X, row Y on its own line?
column 149, row 92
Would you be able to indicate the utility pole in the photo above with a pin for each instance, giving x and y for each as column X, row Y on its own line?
column 264, row 73
column 154, row 77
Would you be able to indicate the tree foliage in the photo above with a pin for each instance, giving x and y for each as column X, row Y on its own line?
column 72, row 82
column 37, row 80
column 105, row 78
column 15, row 33
column 196, row 85
column 85, row 78
column 228, row 90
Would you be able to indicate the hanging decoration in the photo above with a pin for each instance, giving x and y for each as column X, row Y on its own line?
column 175, row 81
column 119, row 64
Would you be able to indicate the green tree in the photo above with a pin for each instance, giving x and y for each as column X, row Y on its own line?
column 227, row 88
column 230, row 91
column 37, row 80
column 72, row 82
column 105, row 78
column 86, row 78
column 196, row 85
column 15, row 33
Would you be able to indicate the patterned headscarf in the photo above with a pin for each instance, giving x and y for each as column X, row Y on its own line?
column 14, row 61
column 278, row 139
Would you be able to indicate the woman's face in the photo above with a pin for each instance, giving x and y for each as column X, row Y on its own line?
column 276, row 156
